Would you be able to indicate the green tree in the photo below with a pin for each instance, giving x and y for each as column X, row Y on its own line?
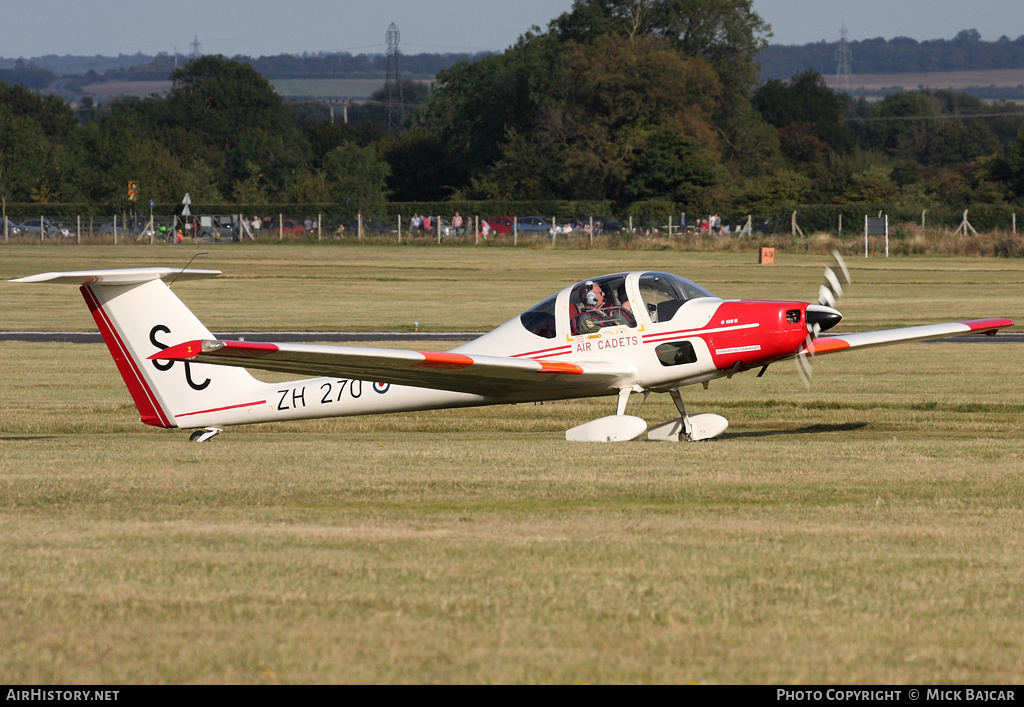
column 805, row 100
column 783, row 188
column 1012, row 168
column 474, row 105
column 120, row 150
column 421, row 167
column 727, row 33
column 584, row 133
column 40, row 159
column 227, row 115
column 872, row 186
column 358, row 178
column 674, row 166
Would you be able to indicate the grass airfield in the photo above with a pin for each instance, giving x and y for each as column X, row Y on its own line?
column 868, row 530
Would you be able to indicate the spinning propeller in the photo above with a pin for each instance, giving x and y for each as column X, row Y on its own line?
column 822, row 316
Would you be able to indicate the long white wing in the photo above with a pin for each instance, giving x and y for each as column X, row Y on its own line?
column 884, row 337
column 493, row 376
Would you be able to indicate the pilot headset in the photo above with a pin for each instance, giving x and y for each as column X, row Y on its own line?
column 591, row 298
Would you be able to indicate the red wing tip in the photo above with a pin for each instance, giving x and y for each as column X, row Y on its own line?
column 983, row 324
column 191, row 349
column 188, row 349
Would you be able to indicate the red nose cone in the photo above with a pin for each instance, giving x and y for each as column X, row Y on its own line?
column 753, row 334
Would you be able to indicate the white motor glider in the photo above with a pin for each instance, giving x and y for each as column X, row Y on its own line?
column 635, row 332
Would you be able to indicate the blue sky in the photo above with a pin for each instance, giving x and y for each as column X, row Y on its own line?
column 255, row 27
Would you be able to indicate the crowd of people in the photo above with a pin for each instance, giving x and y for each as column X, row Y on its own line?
column 256, row 225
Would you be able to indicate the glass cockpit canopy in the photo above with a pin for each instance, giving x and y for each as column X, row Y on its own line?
column 661, row 293
column 664, row 293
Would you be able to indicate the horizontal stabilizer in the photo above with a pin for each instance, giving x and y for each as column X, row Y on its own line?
column 123, row 276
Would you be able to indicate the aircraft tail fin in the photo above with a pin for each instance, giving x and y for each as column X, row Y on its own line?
column 138, row 315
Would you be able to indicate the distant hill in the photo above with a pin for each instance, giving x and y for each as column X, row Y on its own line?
column 1005, row 84
column 285, row 66
column 324, row 75
column 874, row 64
column 965, row 52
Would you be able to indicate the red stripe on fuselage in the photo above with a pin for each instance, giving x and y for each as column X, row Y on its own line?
column 146, row 401
column 544, row 353
column 226, row 407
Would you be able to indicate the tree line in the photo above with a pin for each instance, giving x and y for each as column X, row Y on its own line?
column 900, row 55
column 645, row 105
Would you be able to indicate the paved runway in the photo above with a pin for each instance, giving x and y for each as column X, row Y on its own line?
column 340, row 337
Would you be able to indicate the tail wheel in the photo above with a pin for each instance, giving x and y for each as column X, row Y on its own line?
column 205, row 435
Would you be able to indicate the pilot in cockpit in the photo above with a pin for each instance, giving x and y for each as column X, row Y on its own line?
column 598, row 311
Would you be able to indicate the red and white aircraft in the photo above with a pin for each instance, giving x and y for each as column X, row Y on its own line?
column 634, row 332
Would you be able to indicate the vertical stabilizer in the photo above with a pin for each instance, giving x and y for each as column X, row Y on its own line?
column 138, row 315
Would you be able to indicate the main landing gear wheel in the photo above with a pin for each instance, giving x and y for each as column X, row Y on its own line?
column 205, row 435
column 688, row 428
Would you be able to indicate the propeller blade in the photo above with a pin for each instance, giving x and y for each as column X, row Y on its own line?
column 803, row 367
column 822, row 316
column 831, row 291
column 825, row 296
column 842, row 264
column 833, row 282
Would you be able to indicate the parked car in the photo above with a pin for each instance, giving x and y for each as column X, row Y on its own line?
column 501, row 225
column 123, row 228
column 11, row 228
column 446, row 228
column 370, row 227
column 291, row 226
column 32, row 227
column 534, row 224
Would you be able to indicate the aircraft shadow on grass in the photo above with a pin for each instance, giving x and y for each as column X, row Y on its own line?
column 808, row 430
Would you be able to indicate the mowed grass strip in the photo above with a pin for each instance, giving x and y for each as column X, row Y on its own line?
column 867, row 530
